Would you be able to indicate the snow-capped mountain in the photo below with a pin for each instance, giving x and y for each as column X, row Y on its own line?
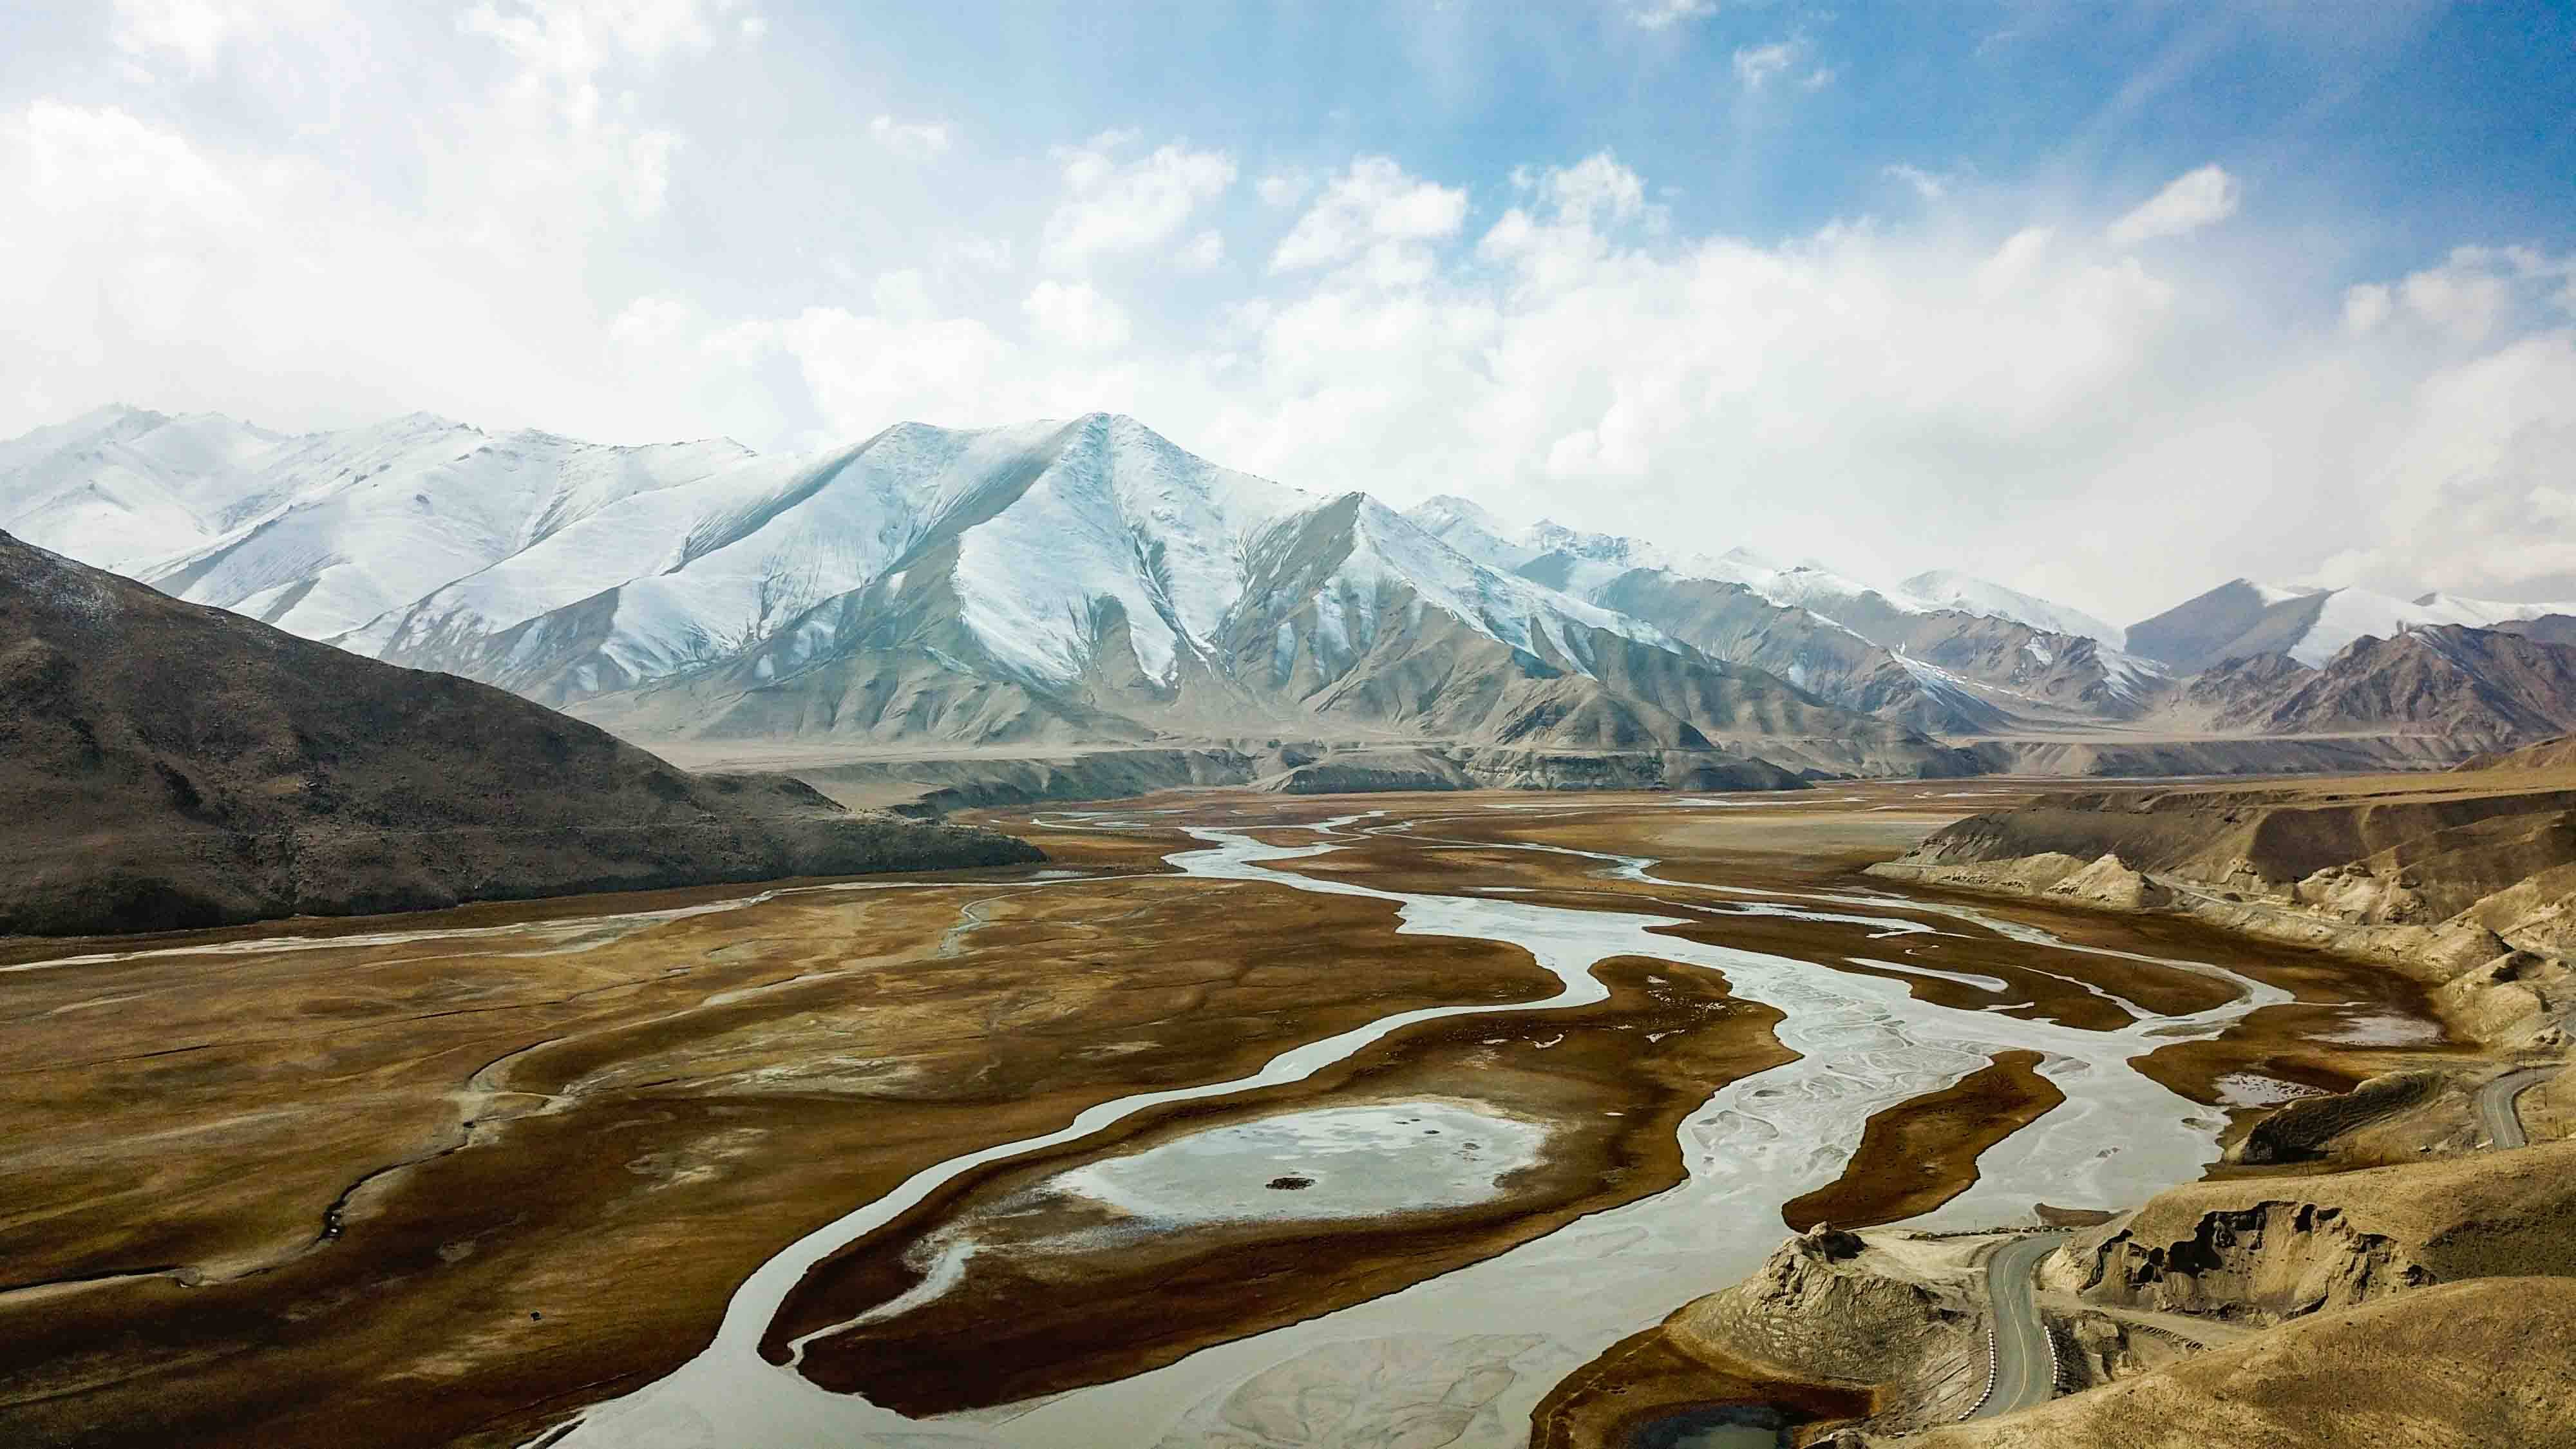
column 1972, row 661
column 2487, row 613
column 1089, row 580
column 120, row 486
column 344, row 526
column 1059, row 580
column 2242, row 619
column 1951, row 589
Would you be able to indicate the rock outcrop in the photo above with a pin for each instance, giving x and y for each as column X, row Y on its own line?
column 2273, row 1249
column 1891, row 1311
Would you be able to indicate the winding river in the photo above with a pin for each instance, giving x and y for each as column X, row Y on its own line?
column 1463, row 1358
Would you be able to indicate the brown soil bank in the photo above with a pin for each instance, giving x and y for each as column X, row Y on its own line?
column 1923, row 1151
column 164, row 766
column 2467, row 1366
column 2466, row 881
column 446, row 1190
column 1653, row 1376
column 1063, row 1289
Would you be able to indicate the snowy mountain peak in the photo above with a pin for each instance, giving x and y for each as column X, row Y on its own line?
column 1446, row 508
column 1951, row 589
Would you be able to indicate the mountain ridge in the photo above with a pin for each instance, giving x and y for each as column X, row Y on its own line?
column 1066, row 581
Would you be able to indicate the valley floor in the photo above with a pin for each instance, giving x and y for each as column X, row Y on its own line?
column 1243, row 1104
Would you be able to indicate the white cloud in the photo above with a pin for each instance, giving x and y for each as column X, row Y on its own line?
column 1930, row 185
column 1115, row 207
column 1595, row 187
column 939, row 370
column 1372, row 206
column 902, row 296
column 982, row 253
column 1660, row 14
column 917, row 140
column 579, row 37
column 2480, row 457
column 651, row 321
column 1076, row 315
column 195, row 29
column 2189, row 202
column 1756, row 65
column 1205, row 252
column 1979, row 384
column 2366, row 306
column 2470, row 295
column 1283, row 188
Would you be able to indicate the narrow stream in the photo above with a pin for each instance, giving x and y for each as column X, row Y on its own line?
column 1469, row 1354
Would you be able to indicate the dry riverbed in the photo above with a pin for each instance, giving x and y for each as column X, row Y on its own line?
column 450, row 1178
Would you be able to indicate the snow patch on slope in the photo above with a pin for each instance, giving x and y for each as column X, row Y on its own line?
column 1951, row 589
column 1389, row 548
column 2486, row 613
column 119, row 486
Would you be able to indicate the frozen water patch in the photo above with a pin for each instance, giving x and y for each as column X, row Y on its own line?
column 1368, row 1161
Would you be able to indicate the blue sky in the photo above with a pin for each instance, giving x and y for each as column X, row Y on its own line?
column 2419, row 119
column 2110, row 301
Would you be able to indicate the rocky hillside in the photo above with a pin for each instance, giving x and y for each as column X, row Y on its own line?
column 2557, row 754
column 2272, row 1249
column 2473, row 688
column 1962, row 658
column 2466, row 881
column 167, row 765
column 2466, row 1366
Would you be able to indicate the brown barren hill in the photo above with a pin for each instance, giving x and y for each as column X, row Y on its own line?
column 2557, row 754
column 166, row 765
column 2458, row 1367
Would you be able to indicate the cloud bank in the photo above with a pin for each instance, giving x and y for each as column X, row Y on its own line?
column 2116, row 399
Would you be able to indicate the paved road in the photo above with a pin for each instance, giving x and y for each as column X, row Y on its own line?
column 2025, row 1365
column 2496, row 1105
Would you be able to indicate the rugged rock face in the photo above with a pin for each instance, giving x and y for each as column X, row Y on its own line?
column 2264, row 1263
column 2263, row 1251
column 167, row 765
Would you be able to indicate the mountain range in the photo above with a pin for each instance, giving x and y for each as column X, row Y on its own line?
column 1086, row 581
